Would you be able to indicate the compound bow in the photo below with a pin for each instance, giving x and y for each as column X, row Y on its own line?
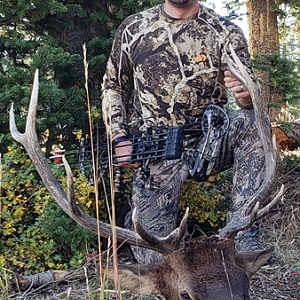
column 166, row 143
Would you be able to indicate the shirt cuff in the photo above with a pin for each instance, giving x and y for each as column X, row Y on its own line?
column 243, row 106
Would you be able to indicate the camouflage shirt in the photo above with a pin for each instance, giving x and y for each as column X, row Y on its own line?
column 177, row 67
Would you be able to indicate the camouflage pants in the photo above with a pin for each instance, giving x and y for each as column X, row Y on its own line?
column 157, row 209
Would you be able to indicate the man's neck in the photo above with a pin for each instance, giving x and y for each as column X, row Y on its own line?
column 181, row 12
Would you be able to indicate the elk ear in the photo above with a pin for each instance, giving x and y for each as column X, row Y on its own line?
column 252, row 261
column 139, row 279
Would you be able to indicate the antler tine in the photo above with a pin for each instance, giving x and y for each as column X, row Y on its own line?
column 269, row 145
column 31, row 118
column 19, row 137
column 244, row 78
column 70, row 188
column 265, row 210
column 164, row 245
column 242, row 223
column 30, row 123
column 245, row 222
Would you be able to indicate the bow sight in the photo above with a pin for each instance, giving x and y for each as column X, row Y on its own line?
column 165, row 143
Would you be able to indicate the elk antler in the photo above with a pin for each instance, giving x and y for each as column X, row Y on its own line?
column 167, row 244
column 245, row 222
column 252, row 213
column 67, row 200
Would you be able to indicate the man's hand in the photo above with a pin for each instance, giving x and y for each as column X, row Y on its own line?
column 123, row 153
column 239, row 90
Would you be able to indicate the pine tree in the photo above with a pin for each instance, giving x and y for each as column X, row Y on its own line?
column 49, row 35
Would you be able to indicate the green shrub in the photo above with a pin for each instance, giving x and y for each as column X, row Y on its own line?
column 35, row 233
column 207, row 201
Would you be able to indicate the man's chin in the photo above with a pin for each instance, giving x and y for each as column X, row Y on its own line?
column 179, row 2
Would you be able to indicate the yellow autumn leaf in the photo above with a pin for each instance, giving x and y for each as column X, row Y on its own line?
column 37, row 207
column 19, row 211
column 50, row 264
column 9, row 224
column 88, row 204
column 21, row 264
column 2, row 260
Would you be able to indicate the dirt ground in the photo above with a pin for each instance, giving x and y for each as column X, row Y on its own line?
column 281, row 279
column 278, row 280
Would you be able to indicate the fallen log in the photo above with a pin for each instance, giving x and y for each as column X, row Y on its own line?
column 26, row 282
column 39, row 279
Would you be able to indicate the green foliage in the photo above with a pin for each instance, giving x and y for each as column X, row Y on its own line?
column 290, row 160
column 233, row 8
column 70, row 239
column 296, row 272
column 35, row 233
column 155, row 2
column 49, row 35
column 283, row 76
column 5, row 279
column 32, row 11
column 21, row 204
column 59, row 109
column 293, row 4
column 207, row 201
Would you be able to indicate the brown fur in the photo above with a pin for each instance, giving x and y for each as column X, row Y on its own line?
column 205, row 269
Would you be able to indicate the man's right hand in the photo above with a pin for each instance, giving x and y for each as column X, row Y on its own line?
column 123, row 151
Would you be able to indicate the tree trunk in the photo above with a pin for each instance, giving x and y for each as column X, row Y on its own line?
column 264, row 39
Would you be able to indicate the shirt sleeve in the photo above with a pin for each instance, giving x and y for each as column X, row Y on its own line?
column 118, row 72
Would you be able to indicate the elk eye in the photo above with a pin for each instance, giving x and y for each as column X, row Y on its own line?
column 185, row 296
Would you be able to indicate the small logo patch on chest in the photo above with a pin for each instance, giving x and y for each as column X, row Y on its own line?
column 201, row 57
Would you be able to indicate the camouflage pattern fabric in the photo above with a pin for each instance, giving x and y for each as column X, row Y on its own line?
column 157, row 209
column 177, row 67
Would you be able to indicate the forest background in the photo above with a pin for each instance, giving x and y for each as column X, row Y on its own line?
column 35, row 235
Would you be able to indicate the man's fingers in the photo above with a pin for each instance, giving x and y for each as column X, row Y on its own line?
column 129, row 165
column 238, row 89
column 123, row 155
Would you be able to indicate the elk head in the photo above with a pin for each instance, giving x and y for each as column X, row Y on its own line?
column 205, row 269
column 199, row 269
